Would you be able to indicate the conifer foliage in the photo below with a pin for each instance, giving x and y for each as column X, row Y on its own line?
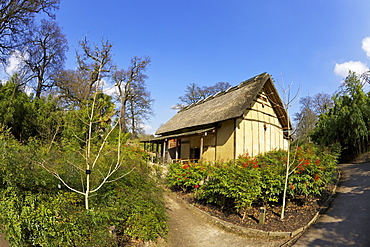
column 348, row 122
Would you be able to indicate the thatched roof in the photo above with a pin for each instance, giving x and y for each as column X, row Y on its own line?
column 224, row 105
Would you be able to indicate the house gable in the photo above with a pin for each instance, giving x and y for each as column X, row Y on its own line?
column 259, row 130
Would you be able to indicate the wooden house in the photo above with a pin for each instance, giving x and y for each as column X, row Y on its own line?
column 248, row 118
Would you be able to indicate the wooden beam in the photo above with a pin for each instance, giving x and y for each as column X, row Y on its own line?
column 164, row 151
column 201, row 147
column 177, row 149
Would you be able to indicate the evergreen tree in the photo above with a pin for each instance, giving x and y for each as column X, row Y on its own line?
column 27, row 116
column 348, row 122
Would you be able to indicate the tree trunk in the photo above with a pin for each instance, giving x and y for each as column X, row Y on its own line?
column 87, row 191
column 286, row 182
column 122, row 118
column 132, row 123
column 39, row 85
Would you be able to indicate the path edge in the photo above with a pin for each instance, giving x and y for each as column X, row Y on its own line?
column 291, row 237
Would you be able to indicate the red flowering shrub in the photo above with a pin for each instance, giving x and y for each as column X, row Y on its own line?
column 259, row 179
column 247, row 161
column 313, row 169
column 186, row 177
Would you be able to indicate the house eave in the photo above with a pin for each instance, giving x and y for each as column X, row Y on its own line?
column 181, row 134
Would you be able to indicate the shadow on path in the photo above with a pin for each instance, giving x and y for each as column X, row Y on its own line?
column 346, row 222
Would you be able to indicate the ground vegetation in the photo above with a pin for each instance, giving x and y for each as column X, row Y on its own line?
column 236, row 190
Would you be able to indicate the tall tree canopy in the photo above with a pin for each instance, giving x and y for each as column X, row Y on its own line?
column 348, row 122
column 310, row 109
column 135, row 100
column 94, row 63
column 16, row 17
column 45, row 55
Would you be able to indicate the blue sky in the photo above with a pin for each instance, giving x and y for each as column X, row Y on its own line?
column 310, row 43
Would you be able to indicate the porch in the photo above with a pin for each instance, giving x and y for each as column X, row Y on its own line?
column 182, row 147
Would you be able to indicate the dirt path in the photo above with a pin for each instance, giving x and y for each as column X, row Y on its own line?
column 3, row 242
column 189, row 228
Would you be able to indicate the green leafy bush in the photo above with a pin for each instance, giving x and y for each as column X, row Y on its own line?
column 35, row 211
column 187, row 176
column 40, row 219
column 240, row 183
column 260, row 179
column 313, row 170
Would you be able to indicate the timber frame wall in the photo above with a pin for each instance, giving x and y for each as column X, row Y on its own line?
column 259, row 130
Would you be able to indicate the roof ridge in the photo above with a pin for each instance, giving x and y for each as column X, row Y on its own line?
column 223, row 106
column 255, row 78
column 220, row 93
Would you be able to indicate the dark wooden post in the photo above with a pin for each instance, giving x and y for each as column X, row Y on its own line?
column 177, row 149
column 163, row 150
column 201, row 147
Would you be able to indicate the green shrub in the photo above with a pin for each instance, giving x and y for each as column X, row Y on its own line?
column 240, row 183
column 260, row 179
column 272, row 176
column 53, row 220
column 187, row 176
column 35, row 211
column 313, row 169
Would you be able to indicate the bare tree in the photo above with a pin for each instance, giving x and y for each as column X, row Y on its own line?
column 92, row 155
column 16, row 16
column 288, row 101
column 365, row 77
column 194, row 93
column 307, row 117
column 139, row 108
column 133, row 95
column 321, row 103
column 95, row 61
column 94, row 64
column 71, row 86
column 45, row 55
column 218, row 87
